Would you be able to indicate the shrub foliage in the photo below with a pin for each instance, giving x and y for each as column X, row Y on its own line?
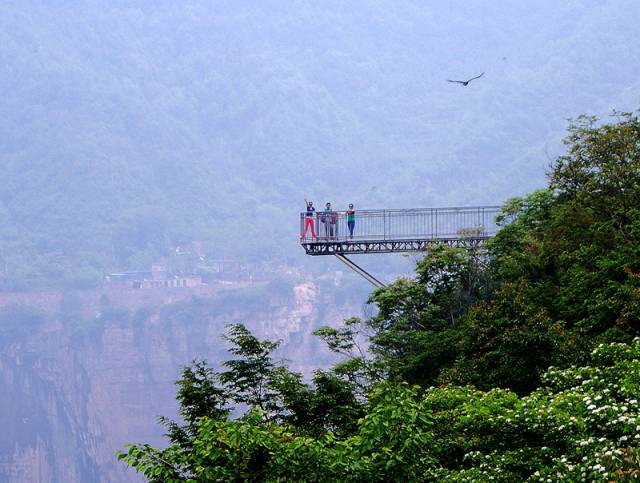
column 517, row 361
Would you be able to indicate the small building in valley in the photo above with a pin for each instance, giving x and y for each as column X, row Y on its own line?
column 156, row 278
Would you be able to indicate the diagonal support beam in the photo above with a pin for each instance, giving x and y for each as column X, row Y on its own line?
column 360, row 271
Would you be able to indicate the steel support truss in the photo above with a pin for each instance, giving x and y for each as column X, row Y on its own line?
column 359, row 270
column 386, row 246
column 341, row 249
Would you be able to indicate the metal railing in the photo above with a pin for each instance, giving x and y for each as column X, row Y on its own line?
column 401, row 224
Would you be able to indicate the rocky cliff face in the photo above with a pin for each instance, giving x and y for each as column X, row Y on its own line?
column 82, row 374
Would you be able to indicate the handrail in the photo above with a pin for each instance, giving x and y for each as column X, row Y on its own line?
column 399, row 224
column 413, row 210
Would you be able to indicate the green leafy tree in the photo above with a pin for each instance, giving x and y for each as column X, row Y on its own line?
column 576, row 245
column 267, row 391
column 579, row 425
column 200, row 394
column 251, row 374
column 531, row 344
column 357, row 368
column 507, row 343
column 329, row 404
column 594, row 235
column 416, row 330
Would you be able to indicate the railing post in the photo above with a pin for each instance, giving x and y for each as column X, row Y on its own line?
column 436, row 222
column 484, row 226
column 431, row 222
column 384, row 225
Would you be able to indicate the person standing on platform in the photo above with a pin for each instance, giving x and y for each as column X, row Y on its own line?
column 351, row 220
column 329, row 218
column 334, row 224
column 309, row 219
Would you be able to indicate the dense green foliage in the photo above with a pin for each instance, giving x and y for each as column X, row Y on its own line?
column 581, row 424
column 521, row 362
column 131, row 127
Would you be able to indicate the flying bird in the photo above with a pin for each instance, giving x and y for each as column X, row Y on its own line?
column 465, row 83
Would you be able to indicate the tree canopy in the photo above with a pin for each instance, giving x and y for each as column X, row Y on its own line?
column 516, row 362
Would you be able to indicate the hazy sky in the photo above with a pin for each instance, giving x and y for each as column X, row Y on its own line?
column 200, row 114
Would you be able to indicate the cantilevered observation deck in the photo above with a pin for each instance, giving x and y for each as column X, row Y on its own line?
column 402, row 230
column 396, row 230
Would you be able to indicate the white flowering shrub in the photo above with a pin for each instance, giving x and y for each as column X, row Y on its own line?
column 583, row 424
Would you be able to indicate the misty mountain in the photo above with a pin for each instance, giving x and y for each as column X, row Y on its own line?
column 128, row 128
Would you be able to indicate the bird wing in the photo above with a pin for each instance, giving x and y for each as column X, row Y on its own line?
column 459, row 82
column 476, row 77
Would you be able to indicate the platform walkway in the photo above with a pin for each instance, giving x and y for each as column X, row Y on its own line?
column 398, row 230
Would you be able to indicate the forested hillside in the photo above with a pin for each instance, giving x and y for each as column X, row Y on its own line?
column 518, row 363
column 128, row 128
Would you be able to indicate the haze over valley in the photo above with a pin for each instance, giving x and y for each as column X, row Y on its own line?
column 155, row 156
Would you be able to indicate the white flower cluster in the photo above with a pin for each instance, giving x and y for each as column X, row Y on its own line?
column 576, row 428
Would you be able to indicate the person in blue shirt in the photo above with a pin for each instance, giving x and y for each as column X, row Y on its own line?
column 309, row 219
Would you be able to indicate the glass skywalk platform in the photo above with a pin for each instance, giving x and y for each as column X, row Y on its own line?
column 396, row 230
